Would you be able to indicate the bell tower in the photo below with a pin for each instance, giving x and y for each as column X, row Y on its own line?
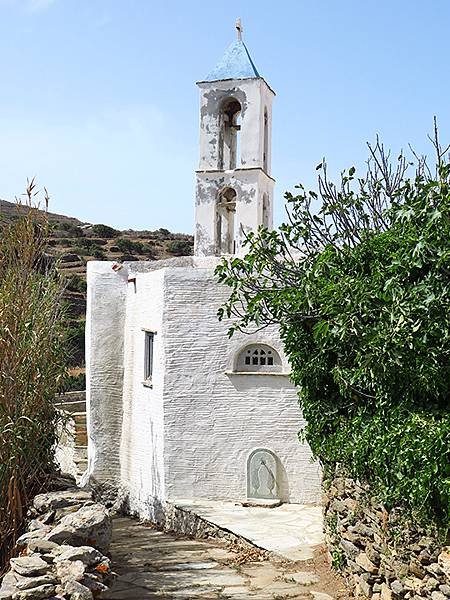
column 234, row 186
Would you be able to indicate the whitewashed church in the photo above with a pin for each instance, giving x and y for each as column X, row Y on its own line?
column 177, row 410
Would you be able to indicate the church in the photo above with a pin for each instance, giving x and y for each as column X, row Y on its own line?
column 175, row 409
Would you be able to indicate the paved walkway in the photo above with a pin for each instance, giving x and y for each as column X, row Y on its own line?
column 154, row 565
column 293, row 531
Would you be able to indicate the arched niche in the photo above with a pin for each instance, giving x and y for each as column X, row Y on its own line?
column 229, row 134
column 225, row 221
column 262, row 475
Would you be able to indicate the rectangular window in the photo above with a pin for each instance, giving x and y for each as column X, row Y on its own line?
column 148, row 356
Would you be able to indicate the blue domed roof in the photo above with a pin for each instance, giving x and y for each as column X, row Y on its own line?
column 236, row 63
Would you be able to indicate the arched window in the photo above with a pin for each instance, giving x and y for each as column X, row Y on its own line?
column 258, row 358
column 266, row 142
column 265, row 211
column 225, row 222
column 229, row 142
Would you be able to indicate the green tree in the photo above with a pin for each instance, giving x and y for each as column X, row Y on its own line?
column 104, row 231
column 360, row 288
column 180, row 247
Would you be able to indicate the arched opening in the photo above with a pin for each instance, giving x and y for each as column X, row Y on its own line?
column 265, row 211
column 225, row 222
column 266, row 142
column 258, row 358
column 229, row 140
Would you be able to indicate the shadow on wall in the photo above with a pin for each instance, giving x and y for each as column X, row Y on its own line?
column 247, row 382
column 282, row 482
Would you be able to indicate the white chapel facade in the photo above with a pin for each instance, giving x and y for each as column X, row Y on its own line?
column 176, row 410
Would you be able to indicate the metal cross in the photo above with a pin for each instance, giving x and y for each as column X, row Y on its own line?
column 239, row 28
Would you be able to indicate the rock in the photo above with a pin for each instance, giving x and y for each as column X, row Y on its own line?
column 26, row 583
column 386, row 592
column 77, row 591
column 38, row 593
column 29, row 566
column 444, row 560
column 416, row 568
column 431, row 584
column 53, row 500
column 425, row 557
column 397, row 587
column 434, row 569
column 70, row 570
column 48, row 517
column 8, row 587
column 365, row 587
column 349, row 548
column 69, row 257
column 438, row 596
column 372, row 554
column 321, row 596
column 363, row 561
column 413, row 584
column 42, row 546
column 304, row 577
column 89, row 526
column 445, row 589
column 88, row 555
column 93, row 584
column 38, row 534
column 35, row 524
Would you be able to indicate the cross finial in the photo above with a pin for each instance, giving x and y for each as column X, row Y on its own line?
column 239, row 28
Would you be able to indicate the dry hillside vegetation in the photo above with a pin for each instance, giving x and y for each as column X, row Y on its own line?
column 73, row 243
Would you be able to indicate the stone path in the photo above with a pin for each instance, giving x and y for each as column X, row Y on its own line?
column 292, row 531
column 152, row 564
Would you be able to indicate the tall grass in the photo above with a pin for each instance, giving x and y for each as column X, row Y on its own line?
column 31, row 365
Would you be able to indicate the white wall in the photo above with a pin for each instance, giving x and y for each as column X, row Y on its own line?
column 105, row 319
column 141, row 450
column 189, row 435
column 212, row 420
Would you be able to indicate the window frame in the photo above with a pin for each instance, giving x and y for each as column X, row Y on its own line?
column 149, row 353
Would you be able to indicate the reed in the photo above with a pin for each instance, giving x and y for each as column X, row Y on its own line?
column 31, row 364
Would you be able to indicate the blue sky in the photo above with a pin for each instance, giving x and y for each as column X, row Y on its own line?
column 98, row 97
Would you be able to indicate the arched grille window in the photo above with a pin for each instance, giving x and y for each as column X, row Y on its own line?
column 260, row 358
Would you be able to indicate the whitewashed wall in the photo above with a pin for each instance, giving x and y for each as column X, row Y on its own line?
column 105, row 318
column 142, row 448
column 212, row 420
column 189, row 435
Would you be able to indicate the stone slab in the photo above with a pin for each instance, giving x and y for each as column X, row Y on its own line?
column 292, row 531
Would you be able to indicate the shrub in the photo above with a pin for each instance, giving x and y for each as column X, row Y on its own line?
column 104, row 231
column 98, row 254
column 31, row 367
column 73, row 383
column 128, row 246
column 180, row 247
column 71, row 228
column 364, row 315
column 77, row 284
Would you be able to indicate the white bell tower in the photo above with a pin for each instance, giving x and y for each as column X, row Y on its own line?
column 234, row 186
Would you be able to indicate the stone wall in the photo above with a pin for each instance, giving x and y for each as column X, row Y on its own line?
column 61, row 556
column 383, row 556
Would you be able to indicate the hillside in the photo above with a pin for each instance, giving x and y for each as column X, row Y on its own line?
column 73, row 243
